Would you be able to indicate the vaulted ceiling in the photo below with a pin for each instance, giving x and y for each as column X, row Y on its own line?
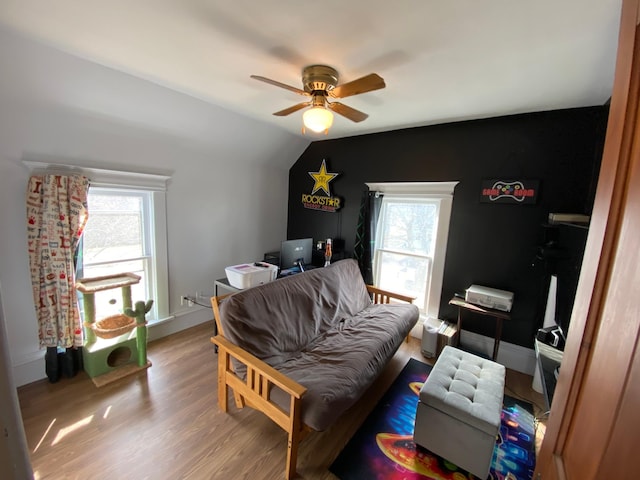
column 441, row 60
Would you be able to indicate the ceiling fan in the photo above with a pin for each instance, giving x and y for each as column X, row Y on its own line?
column 321, row 83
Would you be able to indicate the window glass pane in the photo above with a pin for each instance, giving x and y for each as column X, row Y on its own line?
column 405, row 274
column 114, row 242
column 115, row 228
column 409, row 227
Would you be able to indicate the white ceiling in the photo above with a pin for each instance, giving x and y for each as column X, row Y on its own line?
column 442, row 61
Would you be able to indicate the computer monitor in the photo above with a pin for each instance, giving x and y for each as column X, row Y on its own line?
column 292, row 252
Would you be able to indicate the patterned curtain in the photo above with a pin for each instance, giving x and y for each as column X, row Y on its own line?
column 56, row 215
column 366, row 233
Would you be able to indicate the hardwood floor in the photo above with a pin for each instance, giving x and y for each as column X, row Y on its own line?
column 164, row 423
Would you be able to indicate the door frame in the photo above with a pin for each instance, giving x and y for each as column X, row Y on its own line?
column 600, row 250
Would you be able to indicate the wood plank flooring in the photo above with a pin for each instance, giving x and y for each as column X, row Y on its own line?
column 164, row 423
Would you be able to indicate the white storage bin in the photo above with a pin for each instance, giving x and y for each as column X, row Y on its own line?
column 430, row 329
column 247, row 275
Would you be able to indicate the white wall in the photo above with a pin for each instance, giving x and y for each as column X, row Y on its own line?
column 14, row 454
column 226, row 200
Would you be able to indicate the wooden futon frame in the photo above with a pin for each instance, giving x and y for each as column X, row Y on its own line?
column 253, row 390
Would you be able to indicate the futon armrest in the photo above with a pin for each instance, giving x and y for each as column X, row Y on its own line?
column 254, row 391
column 252, row 362
column 384, row 296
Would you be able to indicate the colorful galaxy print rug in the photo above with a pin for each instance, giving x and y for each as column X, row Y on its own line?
column 383, row 447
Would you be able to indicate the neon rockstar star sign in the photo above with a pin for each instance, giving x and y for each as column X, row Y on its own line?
column 321, row 181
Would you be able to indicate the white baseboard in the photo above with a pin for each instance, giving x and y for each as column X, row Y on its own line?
column 180, row 321
column 31, row 367
column 512, row 356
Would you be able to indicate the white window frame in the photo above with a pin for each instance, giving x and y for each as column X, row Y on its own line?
column 157, row 186
column 443, row 193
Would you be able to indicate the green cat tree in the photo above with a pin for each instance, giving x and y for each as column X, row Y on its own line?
column 115, row 346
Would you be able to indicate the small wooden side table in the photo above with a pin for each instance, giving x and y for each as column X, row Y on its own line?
column 499, row 315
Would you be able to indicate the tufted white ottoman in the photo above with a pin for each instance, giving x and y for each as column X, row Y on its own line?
column 458, row 415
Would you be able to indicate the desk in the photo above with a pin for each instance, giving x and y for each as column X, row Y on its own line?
column 549, row 358
column 224, row 285
column 499, row 315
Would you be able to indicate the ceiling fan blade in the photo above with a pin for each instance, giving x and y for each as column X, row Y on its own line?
column 364, row 84
column 348, row 112
column 281, row 85
column 290, row 110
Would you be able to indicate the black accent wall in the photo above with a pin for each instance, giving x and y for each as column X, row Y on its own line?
column 489, row 244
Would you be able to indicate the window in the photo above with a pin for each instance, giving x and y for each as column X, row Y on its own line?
column 117, row 239
column 411, row 237
column 126, row 232
column 403, row 256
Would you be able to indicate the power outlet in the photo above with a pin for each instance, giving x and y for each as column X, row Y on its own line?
column 187, row 300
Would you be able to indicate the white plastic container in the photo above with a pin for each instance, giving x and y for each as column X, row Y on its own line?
column 430, row 329
column 247, row 275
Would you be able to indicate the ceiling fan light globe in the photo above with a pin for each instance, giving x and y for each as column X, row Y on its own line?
column 318, row 119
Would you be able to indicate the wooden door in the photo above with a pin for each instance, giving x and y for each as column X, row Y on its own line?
column 594, row 426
